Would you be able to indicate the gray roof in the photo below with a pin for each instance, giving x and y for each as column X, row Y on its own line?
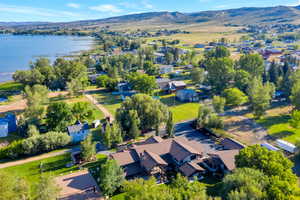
column 77, row 128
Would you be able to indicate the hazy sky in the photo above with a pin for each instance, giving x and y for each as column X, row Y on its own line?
column 69, row 10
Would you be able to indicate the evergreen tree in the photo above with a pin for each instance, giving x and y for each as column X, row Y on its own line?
column 88, row 149
column 170, row 125
column 134, row 131
column 47, row 189
column 107, row 136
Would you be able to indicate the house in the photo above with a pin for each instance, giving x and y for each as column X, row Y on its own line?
column 8, row 124
column 187, row 95
column 163, row 83
column 222, row 161
column 157, row 157
column 176, row 85
column 166, row 69
column 78, row 132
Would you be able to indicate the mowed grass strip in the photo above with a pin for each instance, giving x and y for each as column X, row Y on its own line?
column 277, row 124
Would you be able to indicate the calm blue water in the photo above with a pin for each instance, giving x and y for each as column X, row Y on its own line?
column 16, row 51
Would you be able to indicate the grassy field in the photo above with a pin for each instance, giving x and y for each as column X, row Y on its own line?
column 277, row 123
column 181, row 111
column 54, row 166
column 31, row 172
column 109, row 101
column 10, row 86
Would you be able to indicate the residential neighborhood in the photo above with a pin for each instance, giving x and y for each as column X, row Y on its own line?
column 186, row 111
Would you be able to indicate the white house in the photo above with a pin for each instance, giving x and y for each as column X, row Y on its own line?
column 78, row 132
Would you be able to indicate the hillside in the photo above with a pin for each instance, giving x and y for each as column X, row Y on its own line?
column 241, row 16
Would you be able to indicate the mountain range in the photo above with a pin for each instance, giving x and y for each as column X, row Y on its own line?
column 240, row 16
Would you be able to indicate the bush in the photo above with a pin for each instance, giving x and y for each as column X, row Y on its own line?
column 35, row 145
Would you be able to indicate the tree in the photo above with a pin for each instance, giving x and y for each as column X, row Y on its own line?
column 252, row 63
column 32, row 131
column 241, row 79
column 13, row 187
column 198, row 75
column 295, row 95
column 59, row 116
column 218, row 52
column 283, row 182
column 107, row 82
column 203, row 115
column 151, row 113
column 235, row 97
column 134, row 131
column 82, row 111
column 260, row 96
column 143, row 83
column 150, row 68
column 116, row 134
column 107, row 136
column 88, row 149
column 218, row 104
column 295, row 121
column 46, row 189
column 75, row 87
column 111, row 177
column 170, row 125
column 220, row 73
column 36, row 96
column 250, row 184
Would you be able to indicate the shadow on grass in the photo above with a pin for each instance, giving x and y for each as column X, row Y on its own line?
column 171, row 101
column 282, row 134
column 270, row 121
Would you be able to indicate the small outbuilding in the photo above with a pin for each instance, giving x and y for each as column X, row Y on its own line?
column 79, row 131
column 286, row 146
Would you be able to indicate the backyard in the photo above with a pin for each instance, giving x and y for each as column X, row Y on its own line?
column 181, row 111
column 53, row 166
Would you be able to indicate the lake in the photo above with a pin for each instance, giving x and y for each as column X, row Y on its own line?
column 16, row 51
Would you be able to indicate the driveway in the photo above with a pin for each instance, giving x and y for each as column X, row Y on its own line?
column 186, row 130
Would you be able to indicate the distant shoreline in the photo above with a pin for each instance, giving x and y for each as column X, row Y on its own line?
column 6, row 74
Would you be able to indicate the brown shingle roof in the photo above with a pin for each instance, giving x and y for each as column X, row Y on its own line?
column 180, row 150
column 154, row 139
column 228, row 158
column 150, row 160
column 190, row 168
column 125, row 158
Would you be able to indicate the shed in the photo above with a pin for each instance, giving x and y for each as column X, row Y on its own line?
column 3, row 129
column 286, row 146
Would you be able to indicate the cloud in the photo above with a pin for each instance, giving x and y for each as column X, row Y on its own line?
column 106, row 8
column 147, row 5
column 296, row 3
column 41, row 12
column 73, row 5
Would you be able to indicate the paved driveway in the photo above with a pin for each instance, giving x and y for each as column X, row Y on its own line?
column 186, row 130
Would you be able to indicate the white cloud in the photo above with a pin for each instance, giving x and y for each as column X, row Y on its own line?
column 36, row 11
column 73, row 5
column 297, row 3
column 106, row 8
column 147, row 5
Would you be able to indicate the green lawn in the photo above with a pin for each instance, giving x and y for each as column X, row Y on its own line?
column 279, row 127
column 109, row 101
column 181, row 111
column 10, row 86
column 54, row 166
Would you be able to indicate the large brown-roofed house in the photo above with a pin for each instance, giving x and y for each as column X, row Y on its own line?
column 157, row 156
